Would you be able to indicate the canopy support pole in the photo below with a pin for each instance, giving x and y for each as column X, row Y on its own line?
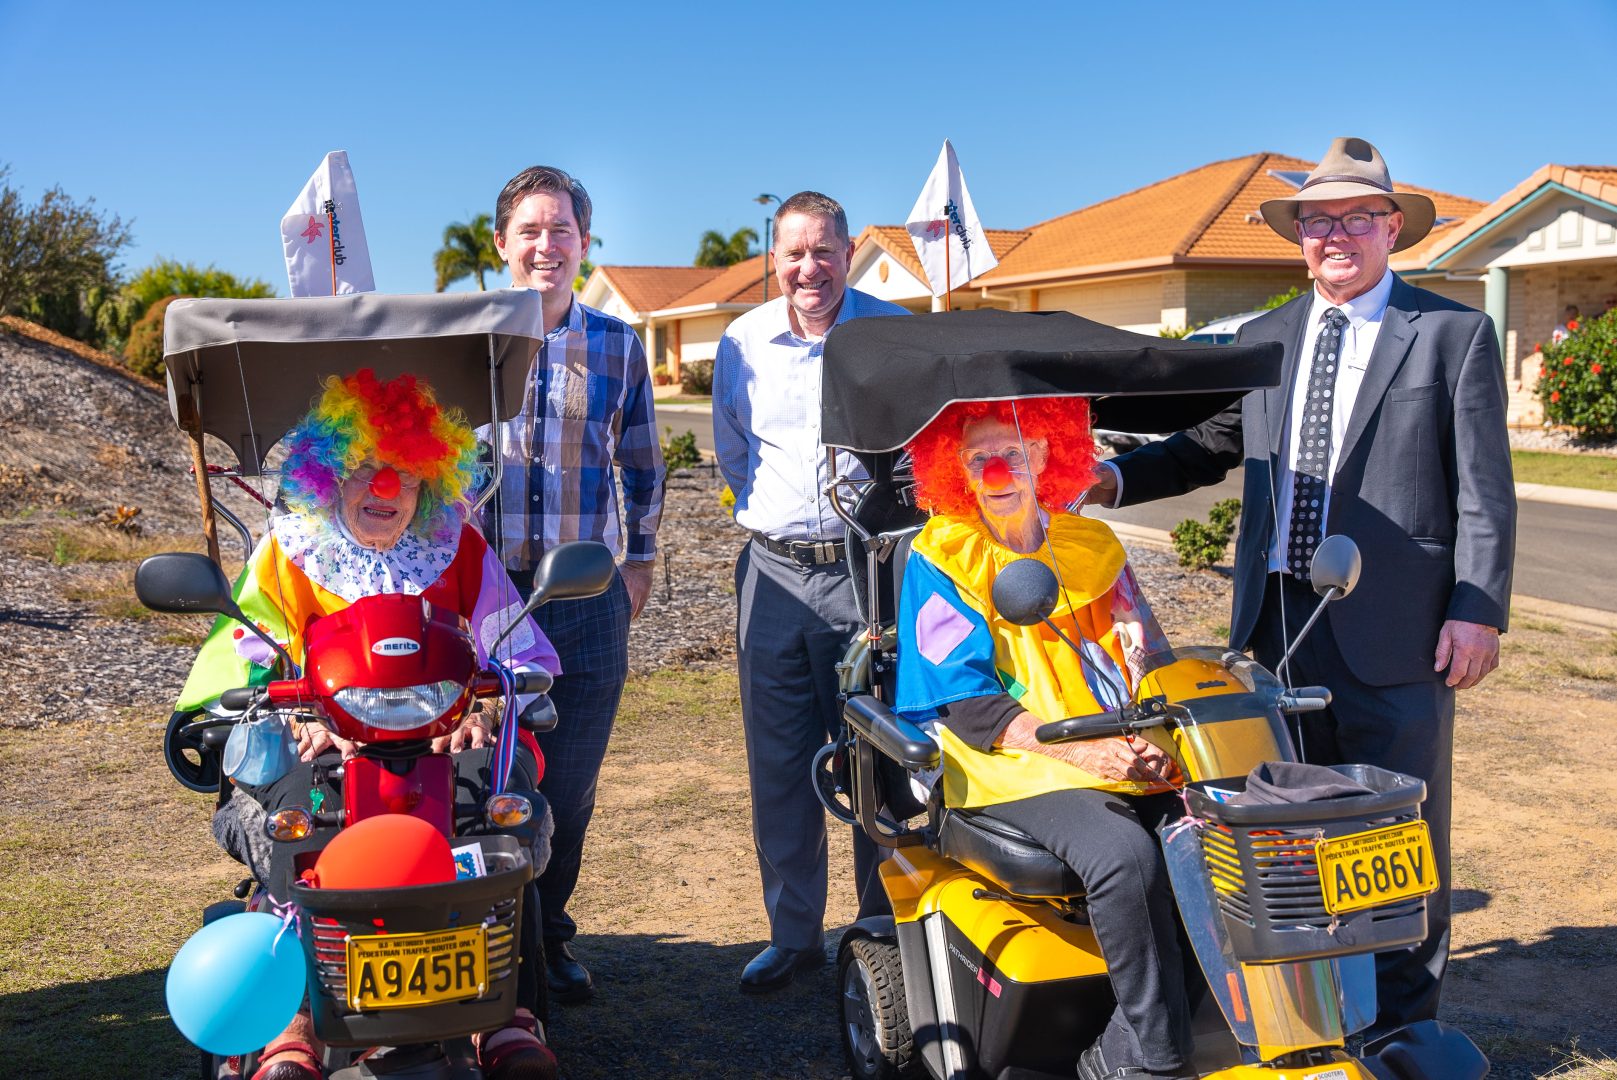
column 494, row 429
column 192, row 422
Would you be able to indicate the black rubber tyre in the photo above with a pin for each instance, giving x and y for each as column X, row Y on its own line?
column 191, row 763
column 875, row 1018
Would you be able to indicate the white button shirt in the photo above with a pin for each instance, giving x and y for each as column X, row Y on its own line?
column 766, row 421
column 1364, row 314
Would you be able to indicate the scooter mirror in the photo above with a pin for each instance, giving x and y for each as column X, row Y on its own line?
column 1336, row 566
column 183, row 581
column 1025, row 592
column 573, row 571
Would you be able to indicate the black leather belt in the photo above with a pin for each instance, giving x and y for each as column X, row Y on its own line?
column 805, row 552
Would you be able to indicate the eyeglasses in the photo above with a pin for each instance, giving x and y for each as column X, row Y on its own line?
column 366, row 473
column 974, row 460
column 1319, row 226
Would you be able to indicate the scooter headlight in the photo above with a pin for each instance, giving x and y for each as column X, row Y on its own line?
column 399, row 708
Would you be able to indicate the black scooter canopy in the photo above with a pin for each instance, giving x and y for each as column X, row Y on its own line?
column 884, row 379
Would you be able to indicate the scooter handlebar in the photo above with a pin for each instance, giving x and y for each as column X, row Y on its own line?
column 241, row 698
column 1129, row 720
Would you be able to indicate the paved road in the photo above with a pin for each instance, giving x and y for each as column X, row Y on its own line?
column 1567, row 554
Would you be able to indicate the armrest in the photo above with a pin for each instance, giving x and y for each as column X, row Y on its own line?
column 890, row 733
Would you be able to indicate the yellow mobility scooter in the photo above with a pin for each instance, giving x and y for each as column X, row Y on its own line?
column 987, row 967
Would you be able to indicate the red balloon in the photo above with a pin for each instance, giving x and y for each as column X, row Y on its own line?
column 996, row 472
column 386, row 484
column 383, row 852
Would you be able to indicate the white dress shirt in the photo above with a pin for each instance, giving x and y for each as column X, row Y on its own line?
column 766, row 421
column 1364, row 314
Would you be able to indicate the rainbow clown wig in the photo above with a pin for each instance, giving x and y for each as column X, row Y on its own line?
column 1063, row 422
column 397, row 423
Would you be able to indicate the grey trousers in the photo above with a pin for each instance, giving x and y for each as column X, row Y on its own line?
column 1408, row 728
column 793, row 625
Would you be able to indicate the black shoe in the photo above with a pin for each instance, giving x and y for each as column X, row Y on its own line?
column 568, row 980
column 774, row 967
column 1092, row 1066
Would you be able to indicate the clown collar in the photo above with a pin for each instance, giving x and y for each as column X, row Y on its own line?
column 331, row 558
column 1088, row 557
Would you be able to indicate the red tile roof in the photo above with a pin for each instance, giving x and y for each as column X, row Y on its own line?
column 896, row 241
column 648, row 288
column 742, row 283
column 1595, row 181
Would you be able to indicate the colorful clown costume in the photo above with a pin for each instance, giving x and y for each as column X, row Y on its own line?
column 304, row 569
column 954, row 648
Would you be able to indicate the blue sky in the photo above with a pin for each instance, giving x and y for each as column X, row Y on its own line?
column 199, row 123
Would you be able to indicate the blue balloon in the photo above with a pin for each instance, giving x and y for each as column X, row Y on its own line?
column 232, row 988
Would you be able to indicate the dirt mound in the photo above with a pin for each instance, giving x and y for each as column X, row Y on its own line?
column 79, row 439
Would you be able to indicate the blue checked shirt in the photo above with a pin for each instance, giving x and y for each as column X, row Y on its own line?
column 587, row 407
column 766, row 421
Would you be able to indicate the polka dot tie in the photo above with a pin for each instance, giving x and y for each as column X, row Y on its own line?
column 1314, row 451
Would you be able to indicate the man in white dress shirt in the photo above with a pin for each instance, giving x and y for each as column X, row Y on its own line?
column 796, row 611
column 1389, row 428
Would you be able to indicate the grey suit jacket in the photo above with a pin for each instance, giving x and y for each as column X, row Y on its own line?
column 1422, row 484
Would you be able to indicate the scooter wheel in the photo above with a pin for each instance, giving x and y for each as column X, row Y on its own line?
column 876, row 1034
column 192, row 764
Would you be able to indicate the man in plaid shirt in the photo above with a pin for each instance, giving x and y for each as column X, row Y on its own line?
column 587, row 409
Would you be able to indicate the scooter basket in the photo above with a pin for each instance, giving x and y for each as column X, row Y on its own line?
column 1261, row 862
column 327, row 918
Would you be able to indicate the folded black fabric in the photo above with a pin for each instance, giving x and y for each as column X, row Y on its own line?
column 1295, row 782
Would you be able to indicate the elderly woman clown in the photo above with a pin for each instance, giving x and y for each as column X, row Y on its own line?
column 997, row 476
column 374, row 491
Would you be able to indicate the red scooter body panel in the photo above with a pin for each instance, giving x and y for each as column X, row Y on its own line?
column 388, row 641
column 425, row 789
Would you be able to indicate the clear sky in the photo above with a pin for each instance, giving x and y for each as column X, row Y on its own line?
column 199, row 123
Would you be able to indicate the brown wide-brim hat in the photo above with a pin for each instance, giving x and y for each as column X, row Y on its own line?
column 1350, row 169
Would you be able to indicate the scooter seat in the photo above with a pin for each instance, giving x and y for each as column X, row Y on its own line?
column 1005, row 855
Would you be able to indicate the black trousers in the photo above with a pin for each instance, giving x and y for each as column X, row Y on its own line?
column 1110, row 842
column 1408, row 728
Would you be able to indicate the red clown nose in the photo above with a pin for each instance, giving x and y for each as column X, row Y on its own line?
column 385, row 484
column 996, row 472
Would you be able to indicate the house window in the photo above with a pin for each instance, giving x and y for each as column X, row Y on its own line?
column 659, row 345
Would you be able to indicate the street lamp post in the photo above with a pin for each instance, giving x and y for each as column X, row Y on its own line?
column 764, row 200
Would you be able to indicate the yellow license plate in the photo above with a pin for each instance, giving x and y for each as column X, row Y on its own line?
column 390, row 971
column 1365, row 870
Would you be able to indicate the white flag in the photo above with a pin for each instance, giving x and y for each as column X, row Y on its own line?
column 323, row 235
column 944, row 228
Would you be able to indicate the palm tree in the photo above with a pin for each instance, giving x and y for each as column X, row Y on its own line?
column 468, row 251
column 716, row 249
column 585, row 267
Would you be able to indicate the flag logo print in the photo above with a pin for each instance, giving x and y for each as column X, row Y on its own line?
column 944, row 227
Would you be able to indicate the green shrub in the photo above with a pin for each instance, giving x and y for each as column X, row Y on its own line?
column 696, row 377
column 143, row 352
column 1201, row 544
column 679, row 451
column 1578, row 386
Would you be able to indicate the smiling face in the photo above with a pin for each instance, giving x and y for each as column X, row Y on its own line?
column 1348, row 266
column 1005, row 497
column 372, row 520
column 811, row 265
column 543, row 246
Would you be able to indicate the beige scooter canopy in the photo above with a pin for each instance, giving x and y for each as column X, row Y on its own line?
column 250, row 369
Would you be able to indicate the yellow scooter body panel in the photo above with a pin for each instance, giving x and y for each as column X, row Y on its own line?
column 1341, row 1068
column 1029, row 942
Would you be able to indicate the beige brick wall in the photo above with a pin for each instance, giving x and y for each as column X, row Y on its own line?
column 1213, row 294
column 1132, row 303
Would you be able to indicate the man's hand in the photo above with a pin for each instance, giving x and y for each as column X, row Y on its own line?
column 1104, row 490
column 1468, row 650
column 637, row 579
column 315, row 739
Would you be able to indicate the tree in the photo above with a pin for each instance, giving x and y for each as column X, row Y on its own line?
column 54, row 250
column 585, row 267
column 716, row 249
column 143, row 352
column 468, row 251
column 167, row 278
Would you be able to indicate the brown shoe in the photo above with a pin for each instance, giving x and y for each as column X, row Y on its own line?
column 516, row 1051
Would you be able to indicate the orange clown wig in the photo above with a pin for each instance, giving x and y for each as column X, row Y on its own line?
column 1062, row 422
column 397, row 423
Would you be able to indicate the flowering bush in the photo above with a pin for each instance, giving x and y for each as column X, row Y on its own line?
column 1578, row 385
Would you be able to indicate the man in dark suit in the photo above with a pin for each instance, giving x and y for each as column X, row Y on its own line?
column 1388, row 427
